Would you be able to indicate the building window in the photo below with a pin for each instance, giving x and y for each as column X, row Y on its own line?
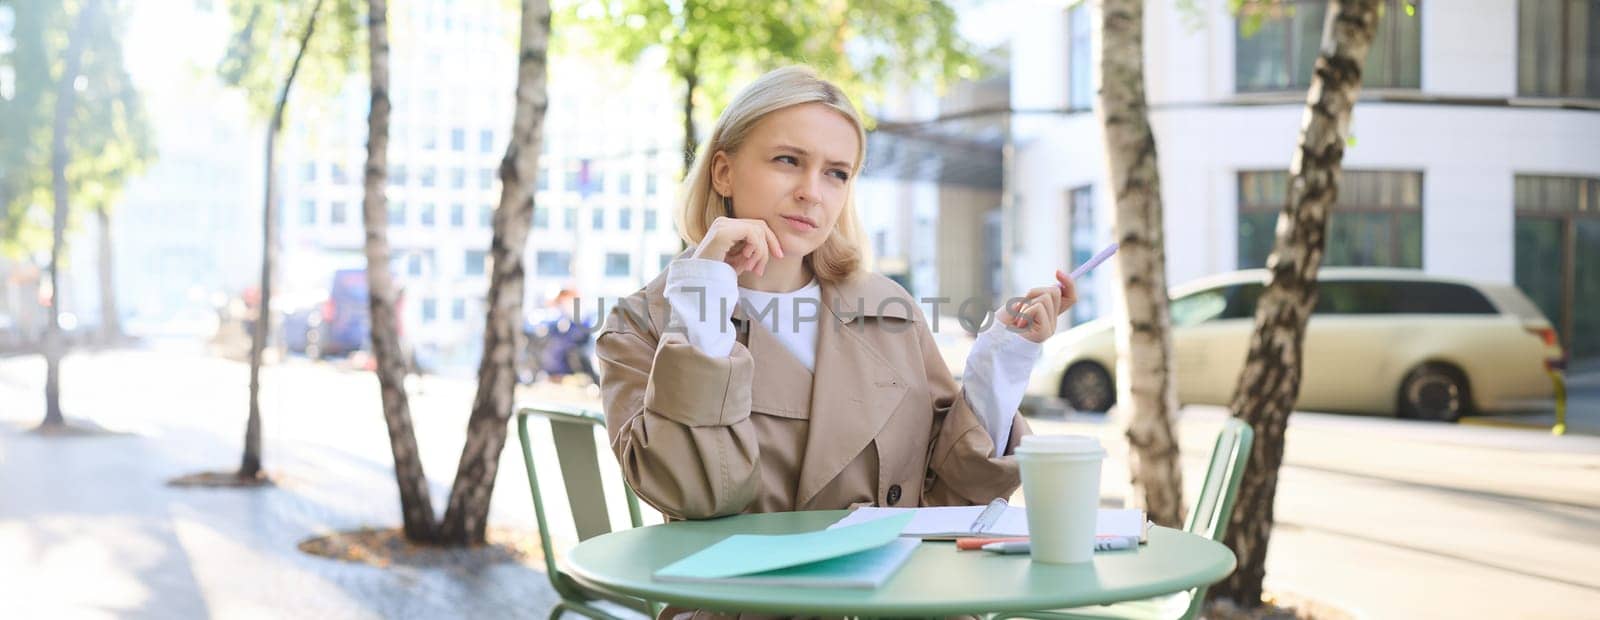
column 337, row 213
column 458, row 178
column 544, row 178
column 486, row 141
column 339, row 176
column 625, row 184
column 569, row 218
column 428, row 176
column 397, row 214
column 397, row 176
column 430, row 309
column 541, row 217
column 573, row 177
column 486, row 216
column 649, row 219
column 425, row 217
column 1558, row 255
column 458, row 139
column 649, row 185
column 666, row 259
column 1080, row 59
column 458, row 309
column 310, row 172
column 1558, row 48
column 430, row 138
column 414, row 264
column 616, row 265
column 553, row 264
column 597, row 219
column 1275, row 45
column 1084, row 242
column 486, row 178
column 458, row 216
column 477, row 260
column 625, row 219
column 1377, row 220
column 308, row 212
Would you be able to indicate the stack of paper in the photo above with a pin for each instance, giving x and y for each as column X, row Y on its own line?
column 956, row 521
column 864, row 555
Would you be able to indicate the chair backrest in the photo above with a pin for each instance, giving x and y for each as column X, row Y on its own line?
column 1213, row 508
column 572, row 431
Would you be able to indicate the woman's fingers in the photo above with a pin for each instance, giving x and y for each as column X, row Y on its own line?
column 1069, row 290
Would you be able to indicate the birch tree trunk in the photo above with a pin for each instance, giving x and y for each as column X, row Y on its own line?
column 468, row 510
column 416, row 508
column 1270, row 382
column 250, row 463
column 66, row 99
column 1145, row 388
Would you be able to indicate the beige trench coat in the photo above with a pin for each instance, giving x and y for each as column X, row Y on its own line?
column 881, row 422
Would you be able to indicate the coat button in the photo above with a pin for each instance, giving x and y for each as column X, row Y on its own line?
column 894, row 494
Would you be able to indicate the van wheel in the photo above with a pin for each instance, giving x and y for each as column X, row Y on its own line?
column 1434, row 392
column 1086, row 386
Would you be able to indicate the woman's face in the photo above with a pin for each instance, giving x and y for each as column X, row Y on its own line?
column 792, row 172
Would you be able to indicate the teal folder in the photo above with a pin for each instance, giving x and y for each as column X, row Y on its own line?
column 863, row 556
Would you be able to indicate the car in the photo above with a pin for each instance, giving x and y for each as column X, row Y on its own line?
column 1380, row 341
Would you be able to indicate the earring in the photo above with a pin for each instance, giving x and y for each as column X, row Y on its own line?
column 727, row 206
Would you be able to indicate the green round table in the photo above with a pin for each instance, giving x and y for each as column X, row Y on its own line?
column 936, row 581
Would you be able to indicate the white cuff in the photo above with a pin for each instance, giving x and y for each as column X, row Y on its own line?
column 995, row 378
column 702, row 294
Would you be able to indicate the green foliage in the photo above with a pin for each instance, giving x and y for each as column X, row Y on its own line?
column 108, row 137
column 862, row 45
column 266, row 37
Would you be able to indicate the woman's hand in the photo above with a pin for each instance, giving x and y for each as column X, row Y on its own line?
column 743, row 244
column 1034, row 317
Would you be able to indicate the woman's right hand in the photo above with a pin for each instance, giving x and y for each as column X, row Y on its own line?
column 744, row 244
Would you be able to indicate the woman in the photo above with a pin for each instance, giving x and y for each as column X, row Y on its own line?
column 767, row 370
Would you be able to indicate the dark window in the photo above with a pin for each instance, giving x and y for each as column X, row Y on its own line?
column 458, row 216
column 397, row 214
column 458, row 309
column 1080, row 82
column 1399, row 297
column 650, row 184
column 397, row 175
column 414, row 264
column 1558, row 255
column 1275, row 45
column 308, row 212
column 337, row 213
column 430, row 309
column 425, row 217
column 476, row 262
column 486, row 216
column 486, row 141
column 339, row 176
column 428, row 176
column 458, row 139
column 553, row 264
column 569, row 218
column 486, row 178
column 625, row 184
column 625, row 219
column 311, row 171
column 1084, row 241
column 458, row 178
column 649, row 218
column 1558, row 48
column 1377, row 220
column 544, row 178
column 616, row 265
column 1242, row 300
column 541, row 218
column 598, row 219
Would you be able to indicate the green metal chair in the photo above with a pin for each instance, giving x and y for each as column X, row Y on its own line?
column 1208, row 517
column 572, row 430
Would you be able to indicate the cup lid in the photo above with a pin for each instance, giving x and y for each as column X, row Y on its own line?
column 1061, row 445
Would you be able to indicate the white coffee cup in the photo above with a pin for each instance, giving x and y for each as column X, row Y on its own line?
column 1061, row 488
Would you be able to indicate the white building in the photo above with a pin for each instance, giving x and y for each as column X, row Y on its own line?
column 608, row 173
column 1475, row 148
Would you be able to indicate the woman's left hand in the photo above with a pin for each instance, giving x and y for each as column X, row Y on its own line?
column 1034, row 317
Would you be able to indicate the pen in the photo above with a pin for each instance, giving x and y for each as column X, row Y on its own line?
column 1094, row 261
column 1023, row 546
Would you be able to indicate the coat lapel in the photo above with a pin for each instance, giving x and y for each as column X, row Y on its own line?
column 782, row 385
column 854, row 391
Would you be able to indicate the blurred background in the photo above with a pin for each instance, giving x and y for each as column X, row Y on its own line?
column 1473, row 162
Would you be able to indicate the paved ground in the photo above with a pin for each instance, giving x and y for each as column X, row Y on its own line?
column 1387, row 518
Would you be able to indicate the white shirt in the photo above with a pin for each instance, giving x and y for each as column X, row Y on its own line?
column 702, row 294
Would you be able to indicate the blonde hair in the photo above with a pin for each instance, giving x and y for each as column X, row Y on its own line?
column 840, row 256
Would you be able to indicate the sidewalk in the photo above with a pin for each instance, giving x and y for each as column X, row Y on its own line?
column 91, row 530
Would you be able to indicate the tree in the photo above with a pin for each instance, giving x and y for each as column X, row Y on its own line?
column 416, row 508
column 1270, row 382
column 1146, row 385
column 251, row 64
column 709, row 44
column 466, row 515
column 76, row 132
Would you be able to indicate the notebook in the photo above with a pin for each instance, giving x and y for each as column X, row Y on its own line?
column 863, row 555
column 943, row 522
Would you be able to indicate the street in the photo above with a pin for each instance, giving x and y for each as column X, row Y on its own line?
column 1379, row 517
